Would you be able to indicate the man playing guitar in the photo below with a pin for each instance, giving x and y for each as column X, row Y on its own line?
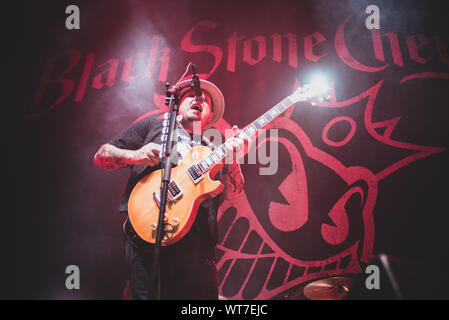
column 188, row 266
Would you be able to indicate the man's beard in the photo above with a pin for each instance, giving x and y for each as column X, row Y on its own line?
column 193, row 117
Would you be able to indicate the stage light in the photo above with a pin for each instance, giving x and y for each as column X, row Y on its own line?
column 319, row 84
column 319, row 88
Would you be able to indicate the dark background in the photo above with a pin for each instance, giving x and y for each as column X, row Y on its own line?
column 61, row 209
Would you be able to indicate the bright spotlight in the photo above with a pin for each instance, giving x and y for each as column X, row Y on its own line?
column 319, row 89
column 319, row 84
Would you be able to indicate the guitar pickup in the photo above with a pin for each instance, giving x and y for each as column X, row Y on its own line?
column 195, row 174
column 174, row 190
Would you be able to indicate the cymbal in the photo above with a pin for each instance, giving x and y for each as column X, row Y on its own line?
column 335, row 288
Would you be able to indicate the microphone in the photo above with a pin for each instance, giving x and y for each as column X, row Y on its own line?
column 199, row 97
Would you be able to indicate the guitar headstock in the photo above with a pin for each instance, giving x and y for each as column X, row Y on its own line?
column 316, row 90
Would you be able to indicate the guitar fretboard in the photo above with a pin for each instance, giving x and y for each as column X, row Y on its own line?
column 221, row 151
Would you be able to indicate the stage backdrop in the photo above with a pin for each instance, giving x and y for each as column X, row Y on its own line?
column 360, row 175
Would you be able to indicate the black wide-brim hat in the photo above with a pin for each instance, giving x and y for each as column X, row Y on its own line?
column 218, row 103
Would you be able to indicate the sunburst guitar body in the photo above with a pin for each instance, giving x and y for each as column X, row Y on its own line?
column 184, row 198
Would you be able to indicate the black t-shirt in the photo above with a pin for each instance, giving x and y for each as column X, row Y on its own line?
column 136, row 136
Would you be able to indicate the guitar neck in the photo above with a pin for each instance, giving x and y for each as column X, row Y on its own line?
column 220, row 152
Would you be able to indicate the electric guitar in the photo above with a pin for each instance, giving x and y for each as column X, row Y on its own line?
column 192, row 180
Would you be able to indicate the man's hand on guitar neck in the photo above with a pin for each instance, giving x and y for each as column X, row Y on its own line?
column 235, row 145
column 111, row 158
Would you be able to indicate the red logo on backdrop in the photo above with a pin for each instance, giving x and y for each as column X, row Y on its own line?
column 84, row 73
column 263, row 241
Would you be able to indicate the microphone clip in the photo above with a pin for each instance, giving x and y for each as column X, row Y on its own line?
column 196, row 87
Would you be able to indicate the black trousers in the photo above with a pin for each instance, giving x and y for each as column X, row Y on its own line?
column 188, row 270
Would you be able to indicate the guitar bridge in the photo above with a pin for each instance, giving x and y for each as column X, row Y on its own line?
column 174, row 192
column 157, row 199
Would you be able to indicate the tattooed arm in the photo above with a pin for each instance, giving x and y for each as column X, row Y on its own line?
column 110, row 158
column 233, row 180
column 232, row 176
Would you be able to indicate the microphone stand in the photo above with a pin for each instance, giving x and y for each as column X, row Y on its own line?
column 172, row 101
